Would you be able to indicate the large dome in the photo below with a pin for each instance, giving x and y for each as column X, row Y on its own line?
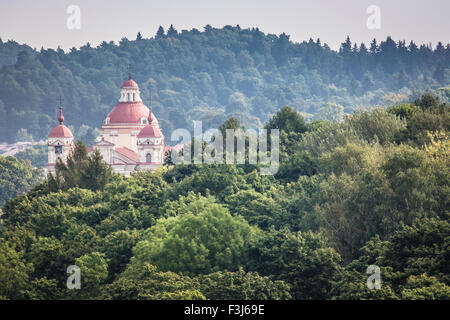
column 128, row 112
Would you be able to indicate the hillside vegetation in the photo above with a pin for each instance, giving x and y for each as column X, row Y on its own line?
column 370, row 190
column 210, row 75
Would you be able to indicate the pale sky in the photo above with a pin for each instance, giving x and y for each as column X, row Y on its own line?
column 44, row 22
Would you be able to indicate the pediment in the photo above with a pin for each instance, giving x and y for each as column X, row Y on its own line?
column 56, row 142
column 103, row 143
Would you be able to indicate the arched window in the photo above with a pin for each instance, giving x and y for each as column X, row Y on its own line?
column 134, row 96
column 148, row 157
column 128, row 97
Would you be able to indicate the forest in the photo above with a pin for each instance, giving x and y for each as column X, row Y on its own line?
column 210, row 75
column 369, row 190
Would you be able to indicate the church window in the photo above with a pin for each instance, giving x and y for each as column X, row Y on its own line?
column 128, row 97
column 148, row 157
column 134, row 96
column 58, row 149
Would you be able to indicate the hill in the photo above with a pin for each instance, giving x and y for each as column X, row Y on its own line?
column 209, row 76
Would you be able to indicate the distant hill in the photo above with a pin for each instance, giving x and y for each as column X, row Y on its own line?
column 209, row 76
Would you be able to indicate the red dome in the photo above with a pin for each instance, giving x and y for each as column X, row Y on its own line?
column 61, row 131
column 149, row 132
column 130, row 83
column 128, row 112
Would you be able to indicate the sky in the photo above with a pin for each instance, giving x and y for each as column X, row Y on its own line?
column 44, row 23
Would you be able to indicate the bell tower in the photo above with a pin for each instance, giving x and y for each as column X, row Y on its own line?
column 60, row 141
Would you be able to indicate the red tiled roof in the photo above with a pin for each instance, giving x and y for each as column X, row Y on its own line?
column 128, row 153
column 60, row 131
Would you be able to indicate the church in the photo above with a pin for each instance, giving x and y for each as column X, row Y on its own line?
column 130, row 139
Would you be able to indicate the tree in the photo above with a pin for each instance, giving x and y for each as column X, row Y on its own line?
column 23, row 135
column 160, row 33
column 14, row 272
column 149, row 283
column 87, row 134
column 118, row 249
column 172, row 32
column 375, row 125
column 424, row 287
column 93, row 272
column 427, row 101
column 81, row 170
column 404, row 110
column 288, row 120
column 239, row 285
column 198, row 241
column 280, row 49
column 412, row 265
column 303, row 260
column 37, row 155
column 332, row 112
column 16, row 178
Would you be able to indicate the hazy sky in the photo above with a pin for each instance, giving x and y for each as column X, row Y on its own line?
column 44, row 22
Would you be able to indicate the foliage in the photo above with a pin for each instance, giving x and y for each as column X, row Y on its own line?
column 205, row 238
column 209, row 76
column 303, row 260
column 80, row 170
column 16, row 178
column 369, row 190
column 239, row 285
column 38, row 155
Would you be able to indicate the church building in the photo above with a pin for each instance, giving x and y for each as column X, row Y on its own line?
column 130, row 140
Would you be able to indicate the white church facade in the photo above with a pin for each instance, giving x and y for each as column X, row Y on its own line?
column 130, row 139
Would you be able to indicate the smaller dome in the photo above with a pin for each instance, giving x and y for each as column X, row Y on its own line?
column 60, row 131
column 150, row 131
column 130, row 83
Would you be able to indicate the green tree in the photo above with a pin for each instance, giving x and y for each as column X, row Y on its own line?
column 37, row 155
column 16, row 178
column 303, row 260
column 81, row 170
column 197, row 241
column 288, row 120
column 149, row 283
column 331, row 111
column 14, row 272
column 172, row 32
column 239, row 285
column 93, row 272
column 160, row 33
